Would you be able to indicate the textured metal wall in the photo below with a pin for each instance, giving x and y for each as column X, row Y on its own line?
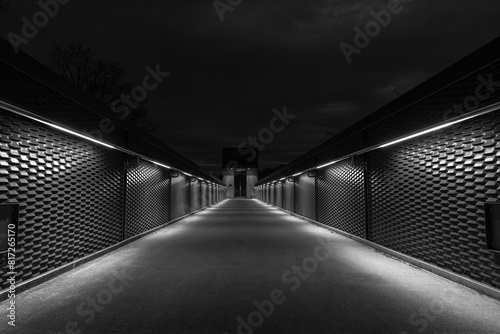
column 69, row 191
column 341, row 197
column 180, row 196
column 423, row 197
column 148, row 198
column 427, row 195
column 288, row 196
column 305, row 196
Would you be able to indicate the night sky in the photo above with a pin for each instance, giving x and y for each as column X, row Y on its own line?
column 227, row 76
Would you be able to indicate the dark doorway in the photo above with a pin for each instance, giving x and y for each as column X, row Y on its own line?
column 240, row 183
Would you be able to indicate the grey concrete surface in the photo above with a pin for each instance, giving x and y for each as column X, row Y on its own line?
column 207, row 273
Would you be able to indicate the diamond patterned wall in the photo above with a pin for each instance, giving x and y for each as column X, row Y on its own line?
column 340, row 194
column 427, row 195
column 148, row 198
column 72, row 195
column 69, row 191
column 305, row 196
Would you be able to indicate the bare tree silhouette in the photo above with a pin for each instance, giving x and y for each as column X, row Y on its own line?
column 101, row 78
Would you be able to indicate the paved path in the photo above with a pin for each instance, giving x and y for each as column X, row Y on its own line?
column 242, row 266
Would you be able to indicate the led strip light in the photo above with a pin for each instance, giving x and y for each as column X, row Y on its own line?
column 480, row 112
column 27, row 114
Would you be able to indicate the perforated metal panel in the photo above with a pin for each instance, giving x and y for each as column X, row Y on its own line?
column 427, row 195
column 288, row 196
column 148, row 198
column 340, row 194
column 69, row 191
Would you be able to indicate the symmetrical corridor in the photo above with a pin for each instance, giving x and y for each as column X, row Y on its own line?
column 241, row 266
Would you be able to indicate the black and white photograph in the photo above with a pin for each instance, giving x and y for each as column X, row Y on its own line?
column 248, row 166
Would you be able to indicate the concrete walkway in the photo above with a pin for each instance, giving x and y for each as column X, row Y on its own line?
column 242, row 266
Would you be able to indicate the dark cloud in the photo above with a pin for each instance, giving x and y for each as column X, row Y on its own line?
column 226, row 77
